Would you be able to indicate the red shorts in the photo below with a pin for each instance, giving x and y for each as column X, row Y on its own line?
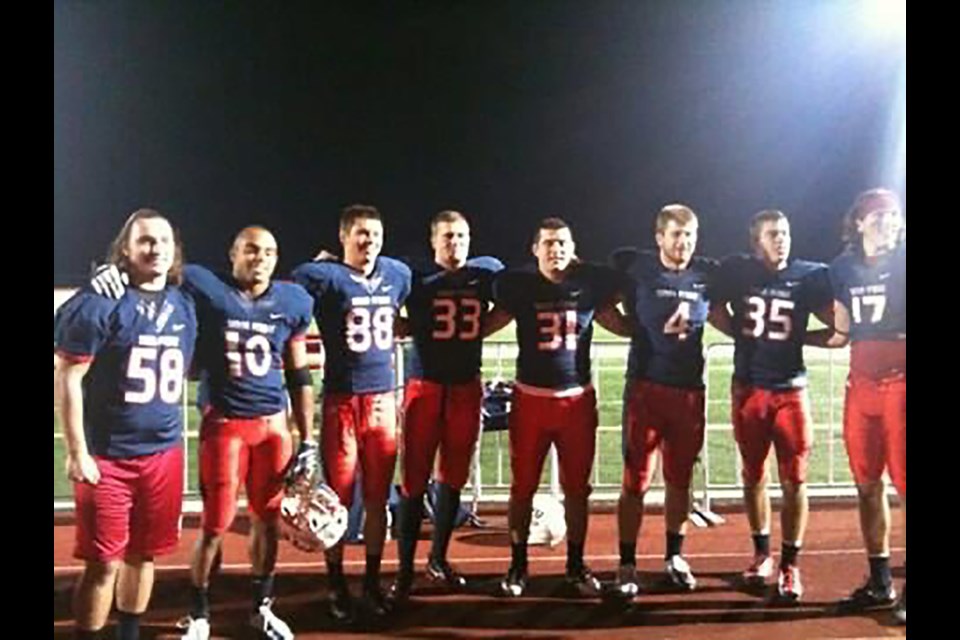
column 657, row 415
column 538, row 421
column 251, row 451
column 875, row 429
column 133, row 510
column 761, row 417
column 359, row 428
column 439, row 416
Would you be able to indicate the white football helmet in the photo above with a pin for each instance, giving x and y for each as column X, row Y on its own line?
column 547, row 524
column 312, row 518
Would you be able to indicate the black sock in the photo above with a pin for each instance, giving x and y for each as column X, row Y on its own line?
column 518, row 552
column 674, row 544
column 86, row 634
column 371, row 579
column 129, row 627
column 761, row 544
column 201, row 602
column 335, row 575
column 411, row 517
column 574, row 556
column 628, row 553
column 788, row 554
column 448, row 504
column 880, row 570
column 262, row 589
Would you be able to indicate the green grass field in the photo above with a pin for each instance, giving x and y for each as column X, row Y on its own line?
column 826, row 389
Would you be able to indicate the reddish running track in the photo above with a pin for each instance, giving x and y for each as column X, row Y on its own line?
column 833, row 564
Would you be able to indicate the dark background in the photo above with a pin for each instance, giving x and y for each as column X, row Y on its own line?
column 225, row 114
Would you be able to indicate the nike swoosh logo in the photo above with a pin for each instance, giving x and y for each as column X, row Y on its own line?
column 178, row 327
column 276, row 316
column 386, row 288
column 883, row 276
column 472, row 282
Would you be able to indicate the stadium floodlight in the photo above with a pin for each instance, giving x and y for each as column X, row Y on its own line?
column 885, row 18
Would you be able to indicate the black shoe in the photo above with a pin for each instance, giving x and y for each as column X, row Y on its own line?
column 341, row 602
column 374, row 602
column 869, row 596
column 583, row 582
column 401, row 588
column 441, row 572
column 627, row 584
column 514, row 583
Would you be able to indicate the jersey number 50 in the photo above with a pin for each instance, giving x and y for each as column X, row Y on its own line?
column 164, row 375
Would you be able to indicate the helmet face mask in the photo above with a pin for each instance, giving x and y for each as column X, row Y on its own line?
column 547, row 523
column 312, row 518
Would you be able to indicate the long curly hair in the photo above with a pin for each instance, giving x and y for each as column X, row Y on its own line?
column 116, row 256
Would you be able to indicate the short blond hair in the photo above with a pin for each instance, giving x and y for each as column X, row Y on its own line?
column 679, row 213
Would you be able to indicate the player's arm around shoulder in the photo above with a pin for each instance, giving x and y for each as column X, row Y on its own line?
column 837, row 334
column 503, row 291
column 611, row 317
column 314, row 276
column 832, row 310
column 724, row 278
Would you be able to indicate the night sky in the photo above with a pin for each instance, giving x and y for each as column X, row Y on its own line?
column 226, row 114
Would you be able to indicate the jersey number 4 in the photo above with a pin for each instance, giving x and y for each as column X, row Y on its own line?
column 445, row 318
column 161, row 376
column 777, row 323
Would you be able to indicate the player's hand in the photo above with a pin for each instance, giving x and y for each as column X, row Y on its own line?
column 83, row 468
column 325, row 255
column 306, row 462
column 109, row 282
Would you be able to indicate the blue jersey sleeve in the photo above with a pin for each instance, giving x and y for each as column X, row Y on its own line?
column 315, row 277
column 84, row 326
column 486, row 263
column 839, row 274
column 608, row 283
column 201, row 283
column 723, row 283
column 302, row 305
column 505, row 291
column 402, row 273
column 819, row 287
column 623, row 259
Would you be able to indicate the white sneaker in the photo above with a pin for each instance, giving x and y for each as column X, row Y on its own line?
column 789, row 586
column 678, row 571
column 759, row 571
column 196, row 628
column 268, row 624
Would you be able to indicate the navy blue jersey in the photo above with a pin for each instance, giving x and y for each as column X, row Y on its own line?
column 241, row 342
column 355, row 316
column 555, row 321
column 446, row 310
column 874, row 292
column 770, row 314
column 670, row 310
column 140, row 346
